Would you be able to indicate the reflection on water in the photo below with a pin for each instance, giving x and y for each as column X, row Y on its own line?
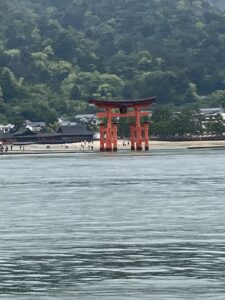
column 113, row 226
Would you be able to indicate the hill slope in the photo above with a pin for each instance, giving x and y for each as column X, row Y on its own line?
column 55, row 54
column 218, row 3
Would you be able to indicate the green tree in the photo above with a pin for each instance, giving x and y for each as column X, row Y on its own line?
column 61, row 53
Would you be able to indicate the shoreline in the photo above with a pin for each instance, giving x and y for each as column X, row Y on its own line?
column 82, row 147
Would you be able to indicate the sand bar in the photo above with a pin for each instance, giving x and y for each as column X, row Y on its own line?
column 122, row 145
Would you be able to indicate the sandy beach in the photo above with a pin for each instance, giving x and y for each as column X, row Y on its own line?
column 94, row 146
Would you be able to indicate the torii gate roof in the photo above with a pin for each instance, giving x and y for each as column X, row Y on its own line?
column 123, row 103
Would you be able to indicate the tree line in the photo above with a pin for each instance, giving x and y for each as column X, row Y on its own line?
column 166, row 122
column 55, row 55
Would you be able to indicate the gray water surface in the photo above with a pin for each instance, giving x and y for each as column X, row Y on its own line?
column 113, row 226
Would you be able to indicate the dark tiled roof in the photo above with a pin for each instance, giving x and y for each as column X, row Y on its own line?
column 79, row 129
column 24, row 131
column 46, row 134
column 35, row 124
column 6, row 135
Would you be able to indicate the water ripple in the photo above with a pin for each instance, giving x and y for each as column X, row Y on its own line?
column 113, row 227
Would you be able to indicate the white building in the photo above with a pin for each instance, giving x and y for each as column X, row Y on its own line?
column 6, row 128
column 212, row 113
column 86, row 118
column 34, row 126
column 66, row 122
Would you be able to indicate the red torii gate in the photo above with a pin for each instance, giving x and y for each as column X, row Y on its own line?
column 108, row 134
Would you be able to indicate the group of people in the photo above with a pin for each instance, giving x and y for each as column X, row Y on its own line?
column 5, row 148
column 126, row 143
column 85, row 144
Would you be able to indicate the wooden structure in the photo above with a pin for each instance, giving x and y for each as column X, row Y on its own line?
column 139, row 132
column 65, row 134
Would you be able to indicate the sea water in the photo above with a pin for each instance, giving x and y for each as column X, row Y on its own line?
column 113, row 226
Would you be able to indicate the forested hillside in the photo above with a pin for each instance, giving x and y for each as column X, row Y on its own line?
column 218, row 3
column 56, row 54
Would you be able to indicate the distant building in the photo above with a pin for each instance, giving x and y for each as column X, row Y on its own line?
column 65, row 134
column 34, row 126
column 211, row 113
column 96, row 136
column 212, row 120
column 6, row 128
column 75, row 133
column 86, row 118
column 66, row 122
